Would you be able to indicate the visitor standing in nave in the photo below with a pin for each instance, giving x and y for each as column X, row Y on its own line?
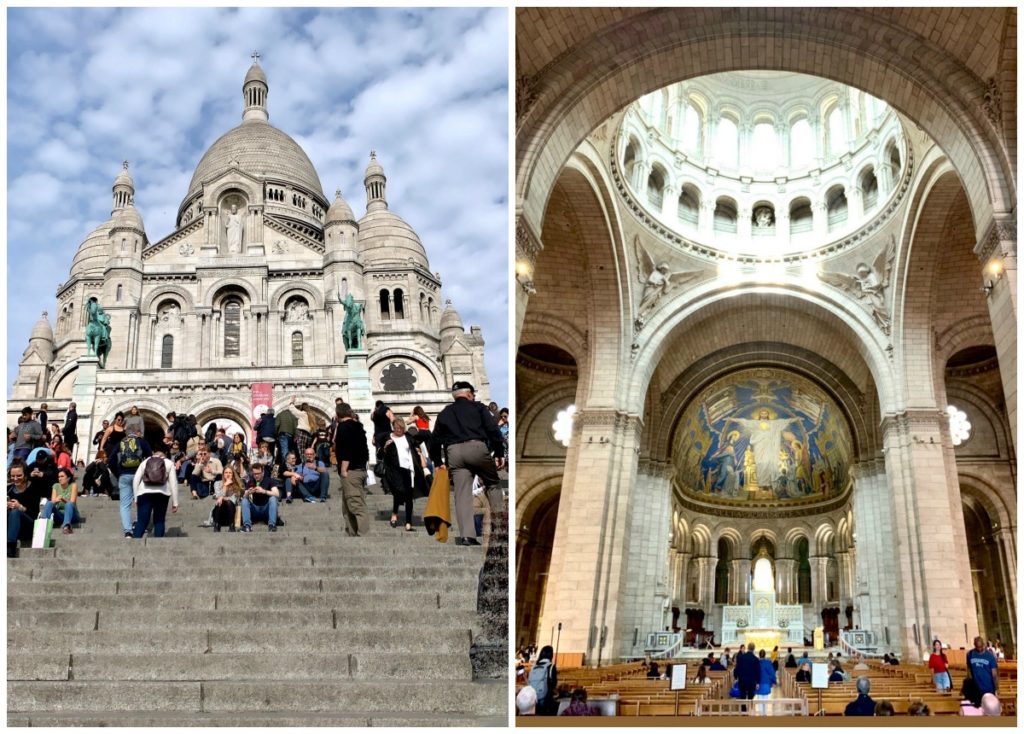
column 939, row 665
column 983, row 667
column 747, row 672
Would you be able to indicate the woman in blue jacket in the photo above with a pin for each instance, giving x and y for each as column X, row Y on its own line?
column 766, row 683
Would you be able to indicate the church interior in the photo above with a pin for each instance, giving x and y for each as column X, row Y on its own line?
column 766, row 330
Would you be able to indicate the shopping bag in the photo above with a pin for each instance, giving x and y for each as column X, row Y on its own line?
column 41, row 531
column 437, row 517
column 371, row 479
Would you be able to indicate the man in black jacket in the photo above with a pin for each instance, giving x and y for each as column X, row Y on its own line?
column 747, row 672
column 352, row 453
column 473, row 447
column 70, row 429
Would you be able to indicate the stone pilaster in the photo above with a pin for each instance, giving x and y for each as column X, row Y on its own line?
column 587, row 579
column 645, row 593
column 528, row 247
column 785, row 580
column 876, row 603
column 997, row 251
column 932, row 576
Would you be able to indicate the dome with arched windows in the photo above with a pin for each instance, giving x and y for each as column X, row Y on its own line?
column 760, row 164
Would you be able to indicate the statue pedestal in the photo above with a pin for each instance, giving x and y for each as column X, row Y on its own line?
column 84, row 396
column 360, row 396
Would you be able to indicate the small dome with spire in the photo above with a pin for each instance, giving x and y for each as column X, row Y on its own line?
column 124, row 178
column 255, row 73
column 374, row 168
column 42, row 329
column 450, row 318
column 339, row 211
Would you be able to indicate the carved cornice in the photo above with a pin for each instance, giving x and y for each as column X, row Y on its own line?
column 296, row 273
column 910, row 420
column 657, row 469
column 1000, row 236
column 170, row 278
column 284, row 228
column 172, row 238
column 979, row 368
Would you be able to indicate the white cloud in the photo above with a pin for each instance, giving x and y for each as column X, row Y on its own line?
column 426, row 88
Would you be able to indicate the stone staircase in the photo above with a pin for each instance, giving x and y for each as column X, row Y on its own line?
column 302, row 627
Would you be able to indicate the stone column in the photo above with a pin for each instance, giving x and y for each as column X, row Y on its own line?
column 645, row 594
column 814, row 120
column 743, row 581
column 592, row 552
column 997, row 251
column 683, row 576
column 670, row 204
column 1006, row 552
column 706, row 587
column 211, row 246
column 855, row 205
column 843, row 590
column 734, row 594
column 744, row 223
column 782, row 227
column 528, row 247
column 785, row 580
column 932, row 568
column 203, row 314
column 706, row 218
column 819, row 580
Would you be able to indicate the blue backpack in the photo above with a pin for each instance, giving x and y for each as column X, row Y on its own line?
column 538, row 678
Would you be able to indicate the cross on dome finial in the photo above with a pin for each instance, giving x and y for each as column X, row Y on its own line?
column 373, row 154
column 255, row 57
column 125, row 165
column 337, row 193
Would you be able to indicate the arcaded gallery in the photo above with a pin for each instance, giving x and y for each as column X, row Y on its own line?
column 766, row 330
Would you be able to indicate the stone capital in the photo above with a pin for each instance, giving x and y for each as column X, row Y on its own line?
column 908, row 421
column 528, row 247
column 999, row 240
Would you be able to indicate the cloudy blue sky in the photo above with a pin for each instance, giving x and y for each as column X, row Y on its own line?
column 426, row 88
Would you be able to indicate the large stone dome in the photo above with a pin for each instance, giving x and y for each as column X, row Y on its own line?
column 93, row 253
column 384, row 237
column 261, row 151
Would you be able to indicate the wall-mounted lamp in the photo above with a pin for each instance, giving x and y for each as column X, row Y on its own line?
column 994, row 271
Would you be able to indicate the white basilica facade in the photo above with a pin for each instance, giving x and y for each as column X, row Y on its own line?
column 247, row 289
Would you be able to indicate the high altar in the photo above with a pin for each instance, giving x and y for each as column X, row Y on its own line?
column 763, row 622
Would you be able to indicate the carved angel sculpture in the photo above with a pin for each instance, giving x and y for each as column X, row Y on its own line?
column 656, row 279
column 868, row 284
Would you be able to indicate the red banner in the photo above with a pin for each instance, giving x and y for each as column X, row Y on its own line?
column 262, row 398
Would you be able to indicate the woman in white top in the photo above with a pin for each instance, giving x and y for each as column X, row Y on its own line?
column 151, row 497
column 404, row 472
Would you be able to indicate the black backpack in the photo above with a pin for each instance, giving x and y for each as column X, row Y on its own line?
column 155, row 473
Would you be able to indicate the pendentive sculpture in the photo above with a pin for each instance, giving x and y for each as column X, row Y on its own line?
column 353, row 330
column 97, row 332
column 868, row 284
column 657, row 281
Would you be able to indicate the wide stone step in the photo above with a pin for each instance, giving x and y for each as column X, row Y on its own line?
column 282, row 562
column 394, row 719
column 264, row 575
column 313, row 618
column 270, row 668
column 444, row 696
column 450, row 637
column 171, row 586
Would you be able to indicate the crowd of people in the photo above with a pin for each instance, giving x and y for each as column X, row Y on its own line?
column 755, row 676
column 292, row 461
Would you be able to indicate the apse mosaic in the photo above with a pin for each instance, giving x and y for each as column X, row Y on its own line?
column 762, row 435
